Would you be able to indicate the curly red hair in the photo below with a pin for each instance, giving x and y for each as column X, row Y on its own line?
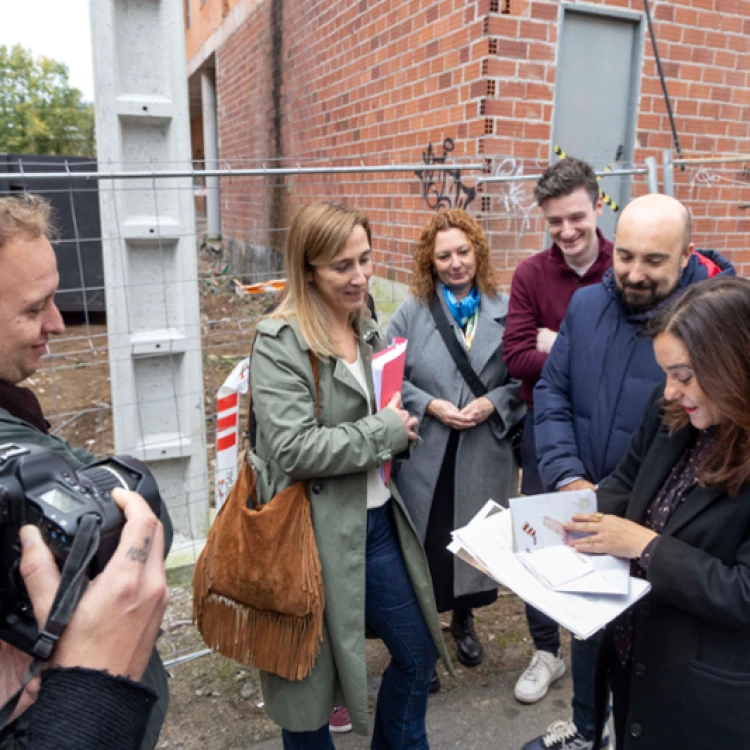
column 423, row 276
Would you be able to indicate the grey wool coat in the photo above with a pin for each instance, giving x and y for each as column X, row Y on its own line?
column 334, row 456
column 485, row 466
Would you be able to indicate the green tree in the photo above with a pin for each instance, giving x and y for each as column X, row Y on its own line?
column 40, row 112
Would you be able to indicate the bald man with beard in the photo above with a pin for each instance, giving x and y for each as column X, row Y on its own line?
column 596, row 383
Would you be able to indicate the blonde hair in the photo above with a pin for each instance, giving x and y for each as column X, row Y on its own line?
column 423, row 276
column 316, row 236
column 27, row 215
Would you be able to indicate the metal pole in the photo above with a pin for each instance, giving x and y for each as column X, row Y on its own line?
column 668, row 167
column 663, row 80
column 211, row 153
column 653, row 178
column 188, row 657
column 536, row 177
column 152, row 174
column 734, row 160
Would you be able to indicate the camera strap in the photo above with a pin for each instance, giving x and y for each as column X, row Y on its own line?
column 73, row 583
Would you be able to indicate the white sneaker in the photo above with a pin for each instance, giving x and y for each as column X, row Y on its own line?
column 543, row 670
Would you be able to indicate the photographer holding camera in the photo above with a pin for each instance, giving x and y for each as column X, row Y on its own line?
column 105, row 685
column 89, row 697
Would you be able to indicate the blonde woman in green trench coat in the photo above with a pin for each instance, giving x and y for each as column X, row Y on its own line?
column 375, row 572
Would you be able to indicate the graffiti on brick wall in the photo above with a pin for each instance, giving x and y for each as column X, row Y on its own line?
column 710, row 177
column 704, row 177
column 517, row 197
column 443, row 189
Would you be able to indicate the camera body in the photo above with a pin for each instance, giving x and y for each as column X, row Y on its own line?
column 40, row 487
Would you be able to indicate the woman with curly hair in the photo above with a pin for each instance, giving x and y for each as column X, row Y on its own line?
column 466, row 456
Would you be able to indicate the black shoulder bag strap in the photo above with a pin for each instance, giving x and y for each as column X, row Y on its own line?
column 458, row 352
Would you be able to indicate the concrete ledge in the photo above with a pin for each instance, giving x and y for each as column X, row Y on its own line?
column 388, row 296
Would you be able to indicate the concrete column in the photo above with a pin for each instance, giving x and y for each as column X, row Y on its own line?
column 150, row 255
column 211, row 152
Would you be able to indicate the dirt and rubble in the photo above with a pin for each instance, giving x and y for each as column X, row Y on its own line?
column 216, row 703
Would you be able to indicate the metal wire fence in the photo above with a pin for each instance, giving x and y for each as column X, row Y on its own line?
column 257, row 203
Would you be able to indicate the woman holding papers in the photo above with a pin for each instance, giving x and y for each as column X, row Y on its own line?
column 678, row 505
column 374, row 570
column 458, row 386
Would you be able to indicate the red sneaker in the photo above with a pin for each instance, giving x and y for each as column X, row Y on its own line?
column 340, row 721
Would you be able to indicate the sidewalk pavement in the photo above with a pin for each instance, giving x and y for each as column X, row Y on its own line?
column 477, row 717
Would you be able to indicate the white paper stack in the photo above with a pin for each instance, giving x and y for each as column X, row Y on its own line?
column 487, row 543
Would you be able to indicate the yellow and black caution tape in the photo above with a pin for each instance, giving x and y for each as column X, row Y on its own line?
column 605, row 198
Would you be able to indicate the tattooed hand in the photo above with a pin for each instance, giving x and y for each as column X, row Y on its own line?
column 115, row 625
column 139, row 554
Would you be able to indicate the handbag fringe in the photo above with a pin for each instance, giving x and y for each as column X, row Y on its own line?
column 281, row 644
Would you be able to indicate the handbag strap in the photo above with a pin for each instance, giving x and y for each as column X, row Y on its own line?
column 316, row 379
column 457, row 352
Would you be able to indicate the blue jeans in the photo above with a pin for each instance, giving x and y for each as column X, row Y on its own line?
column 544, row 631
column 392, row 611
column 583, row 667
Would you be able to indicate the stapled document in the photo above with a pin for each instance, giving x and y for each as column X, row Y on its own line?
column 488, row 543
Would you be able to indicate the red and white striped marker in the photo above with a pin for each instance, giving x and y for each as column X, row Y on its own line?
column 227, row 429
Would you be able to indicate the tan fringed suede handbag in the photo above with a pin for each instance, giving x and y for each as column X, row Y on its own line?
column 257, row 585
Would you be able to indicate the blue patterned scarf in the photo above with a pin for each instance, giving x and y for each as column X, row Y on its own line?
column 464, row 310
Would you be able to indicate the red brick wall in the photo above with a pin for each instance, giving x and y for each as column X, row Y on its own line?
column 372, row 82
column 244, row 112
column 704, row 46
column 375, row 81
column 202, row 19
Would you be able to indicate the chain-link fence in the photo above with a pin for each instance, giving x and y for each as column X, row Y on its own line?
column 257, row 203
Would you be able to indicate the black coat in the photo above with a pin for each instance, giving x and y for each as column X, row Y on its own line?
column 689, row 677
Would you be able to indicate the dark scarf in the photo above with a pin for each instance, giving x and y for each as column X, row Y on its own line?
column 23, row 404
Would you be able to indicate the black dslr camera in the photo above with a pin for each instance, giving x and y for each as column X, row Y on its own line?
column 41, row 488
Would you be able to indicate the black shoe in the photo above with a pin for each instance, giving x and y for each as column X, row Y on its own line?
column 434, row 683
column 468, row 648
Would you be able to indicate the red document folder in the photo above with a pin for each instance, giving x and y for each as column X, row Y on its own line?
column 388, row 379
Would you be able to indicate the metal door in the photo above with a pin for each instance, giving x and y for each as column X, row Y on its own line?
column 597, row 92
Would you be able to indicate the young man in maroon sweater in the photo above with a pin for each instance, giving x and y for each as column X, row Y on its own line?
column 542, row 286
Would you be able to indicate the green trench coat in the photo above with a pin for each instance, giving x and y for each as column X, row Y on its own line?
column 334, row 456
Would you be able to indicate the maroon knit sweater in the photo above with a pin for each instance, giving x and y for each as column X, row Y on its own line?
column 540, row 293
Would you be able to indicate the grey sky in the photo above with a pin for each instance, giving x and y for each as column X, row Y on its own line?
column 59, row 29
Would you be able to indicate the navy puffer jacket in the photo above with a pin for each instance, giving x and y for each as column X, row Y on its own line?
column 598, row 377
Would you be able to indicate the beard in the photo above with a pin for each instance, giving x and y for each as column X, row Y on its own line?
column 644, row 296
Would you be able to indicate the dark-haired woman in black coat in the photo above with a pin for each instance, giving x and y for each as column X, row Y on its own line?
column 678, row 505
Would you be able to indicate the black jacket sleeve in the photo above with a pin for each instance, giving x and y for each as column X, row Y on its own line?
column 84, row 709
